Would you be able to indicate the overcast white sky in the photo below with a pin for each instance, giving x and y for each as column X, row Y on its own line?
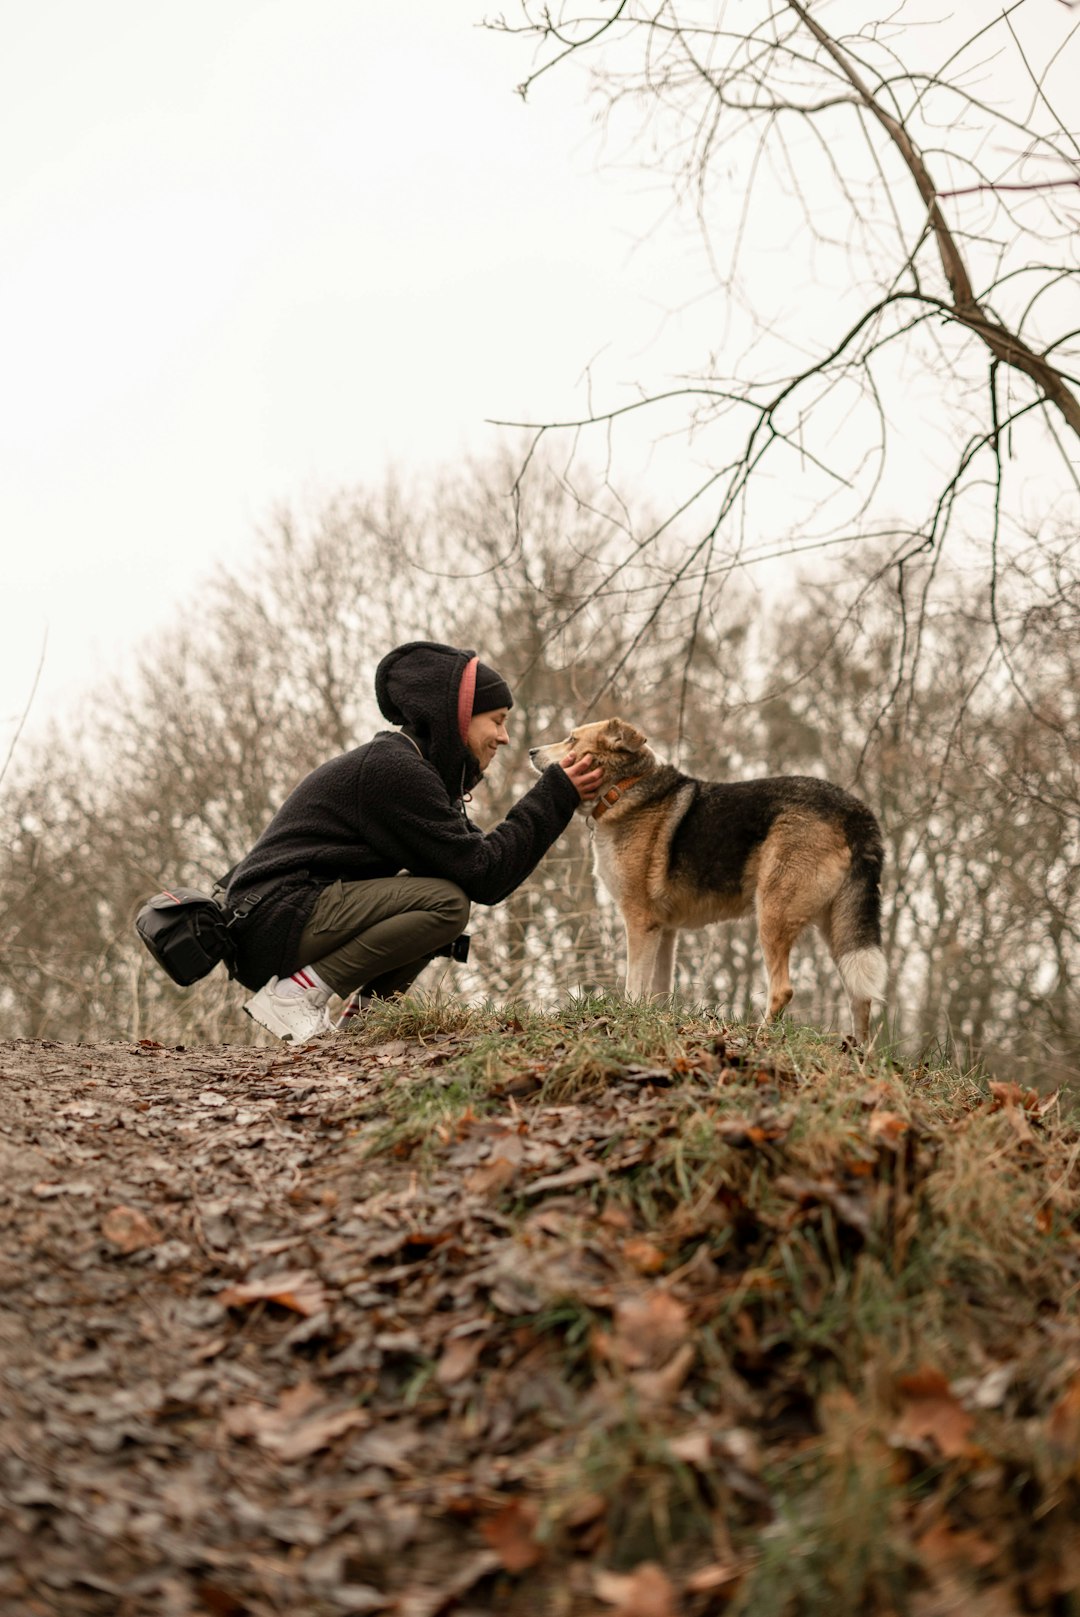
column 253, row 251
column 258, row 249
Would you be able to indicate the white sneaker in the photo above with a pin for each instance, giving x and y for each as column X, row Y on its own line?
column 298, row 1017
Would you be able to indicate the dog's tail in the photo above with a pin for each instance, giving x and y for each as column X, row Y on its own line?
column 855, row 925
column 864, row 973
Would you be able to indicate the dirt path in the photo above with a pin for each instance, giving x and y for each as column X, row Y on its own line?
column 240, row 1359
column 138, row 1184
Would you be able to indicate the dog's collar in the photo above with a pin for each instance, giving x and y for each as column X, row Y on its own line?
column 609, row 798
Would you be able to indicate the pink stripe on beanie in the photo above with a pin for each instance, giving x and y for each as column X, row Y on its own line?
column 465, row 699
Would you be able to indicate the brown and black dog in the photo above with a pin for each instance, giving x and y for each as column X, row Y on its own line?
column 675, row 852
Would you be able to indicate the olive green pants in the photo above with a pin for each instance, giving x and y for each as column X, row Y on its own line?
column 378, row 935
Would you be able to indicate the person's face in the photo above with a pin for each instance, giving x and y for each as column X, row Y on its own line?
column 487, row 733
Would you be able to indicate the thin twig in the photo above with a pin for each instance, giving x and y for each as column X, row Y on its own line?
column 26, row 709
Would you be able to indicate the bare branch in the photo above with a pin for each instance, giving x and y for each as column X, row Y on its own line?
column 26, row 710
column 1005, row 345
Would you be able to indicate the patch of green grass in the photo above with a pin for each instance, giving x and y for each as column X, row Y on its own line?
column 423, row 1016
column 834, row 1545
column 655, row 1505
column 573, row 1323
column 424, row 1114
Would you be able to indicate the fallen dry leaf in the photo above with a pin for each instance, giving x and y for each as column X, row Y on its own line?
column 643, row 1255
column 986, row 1391
column 645, row 1592
column 887, row 1126
column 583, row 1173
column 1006, row 1094
column 708, row 1579
column 295, row 1428
column 459, row 1359
column 499, row 1171
column 314, row 1434
column 693, row 1448
column 930, row 1410
column 246, row 1420
column 589, row 1508
column 648, row 1330
column 511, row 1533
column 942, row 1546
column 660, row 1386
column 298, row 1290
column 1063, row 1422
column 129, row 1230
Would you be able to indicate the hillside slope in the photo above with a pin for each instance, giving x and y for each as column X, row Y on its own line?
column 603, row 1312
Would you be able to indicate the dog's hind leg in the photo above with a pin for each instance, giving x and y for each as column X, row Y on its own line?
column 853, row 930
column 784, row 908
column 777, row 935
column 805, row 865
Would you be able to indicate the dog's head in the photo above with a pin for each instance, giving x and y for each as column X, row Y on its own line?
column 616, row 747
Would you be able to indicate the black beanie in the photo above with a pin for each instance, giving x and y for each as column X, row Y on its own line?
column 491, row 691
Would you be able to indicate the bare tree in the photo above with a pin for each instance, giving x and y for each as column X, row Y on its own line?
column 888, row 208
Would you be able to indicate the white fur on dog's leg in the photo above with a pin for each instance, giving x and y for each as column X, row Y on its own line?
column 650, row 962
column 663, row 976
column 642, row 945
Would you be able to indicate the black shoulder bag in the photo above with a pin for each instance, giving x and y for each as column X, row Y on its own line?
column 189, row 932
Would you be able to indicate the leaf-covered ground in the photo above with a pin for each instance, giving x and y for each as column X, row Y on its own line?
column 609, row 1313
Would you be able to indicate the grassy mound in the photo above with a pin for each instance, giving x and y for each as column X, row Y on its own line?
column 745, row 1323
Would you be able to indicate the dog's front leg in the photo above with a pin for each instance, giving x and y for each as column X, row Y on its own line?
column 636, row 945
column 663, row 977
column 644, row 947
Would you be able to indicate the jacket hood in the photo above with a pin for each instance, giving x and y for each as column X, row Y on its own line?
column 419, row 686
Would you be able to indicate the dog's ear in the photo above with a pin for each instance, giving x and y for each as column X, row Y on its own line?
column 624, row 736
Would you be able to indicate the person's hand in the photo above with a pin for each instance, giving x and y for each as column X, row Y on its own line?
column 585, row 776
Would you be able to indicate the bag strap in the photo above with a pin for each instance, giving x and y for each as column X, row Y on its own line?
column 241, row 910
column 245, row 906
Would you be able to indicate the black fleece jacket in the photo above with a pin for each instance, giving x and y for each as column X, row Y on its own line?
column 391, row 805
